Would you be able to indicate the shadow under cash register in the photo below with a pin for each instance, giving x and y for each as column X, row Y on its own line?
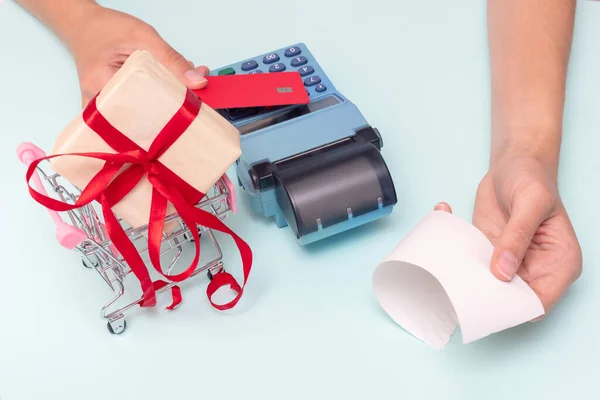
column 318, row 191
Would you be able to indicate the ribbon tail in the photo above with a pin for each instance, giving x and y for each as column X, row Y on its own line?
column 222, row 279
column 158, row 211
column 161, row 194
column 177, row 297
column 175, row 293
column 193, row 216
column 130, row 254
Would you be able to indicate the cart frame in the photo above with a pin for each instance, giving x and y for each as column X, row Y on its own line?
column 85, row 233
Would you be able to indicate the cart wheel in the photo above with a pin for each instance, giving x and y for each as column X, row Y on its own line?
column 117, row 327
column 89, row 266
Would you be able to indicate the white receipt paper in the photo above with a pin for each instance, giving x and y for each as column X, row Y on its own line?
column 439, row 277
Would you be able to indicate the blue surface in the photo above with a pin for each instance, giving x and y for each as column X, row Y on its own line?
column 308, row 326
column 292, row 137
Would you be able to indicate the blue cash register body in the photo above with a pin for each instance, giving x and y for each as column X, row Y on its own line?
column 316, row 168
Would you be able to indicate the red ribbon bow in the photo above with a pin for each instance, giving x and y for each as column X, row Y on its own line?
column 109, row 186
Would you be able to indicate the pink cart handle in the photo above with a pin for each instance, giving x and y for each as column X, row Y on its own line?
column 67, row 235
column 231, row 200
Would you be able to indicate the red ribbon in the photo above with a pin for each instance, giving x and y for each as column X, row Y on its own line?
column 109, row 186
column 175, row 293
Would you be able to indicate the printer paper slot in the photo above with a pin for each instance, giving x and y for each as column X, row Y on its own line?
column 330, row 187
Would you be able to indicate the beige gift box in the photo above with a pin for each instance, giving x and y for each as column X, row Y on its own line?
column 139, row 100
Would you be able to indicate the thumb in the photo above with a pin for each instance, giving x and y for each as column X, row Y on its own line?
column 529, row 211
column 183, row 69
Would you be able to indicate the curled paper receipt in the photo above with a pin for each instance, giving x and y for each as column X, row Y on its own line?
column 439, row 277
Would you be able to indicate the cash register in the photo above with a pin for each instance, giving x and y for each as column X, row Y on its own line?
column 316, row 168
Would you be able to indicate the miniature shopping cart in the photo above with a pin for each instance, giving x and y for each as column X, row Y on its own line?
column 86, row 233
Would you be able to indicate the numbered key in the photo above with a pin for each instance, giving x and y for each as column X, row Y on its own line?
column 320, row 88
column 293, row 51
column 256, row 71
column 313, row 80
column 305, row 71
column 278, row 67
column 271, row 58
column 249, row 65
column 298, row 61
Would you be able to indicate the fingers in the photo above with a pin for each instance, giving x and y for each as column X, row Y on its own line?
column 192, row 77
column 443, row 207
column 530, row 208
column 203, row 69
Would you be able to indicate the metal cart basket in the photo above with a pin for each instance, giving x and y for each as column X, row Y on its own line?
column 85, row 232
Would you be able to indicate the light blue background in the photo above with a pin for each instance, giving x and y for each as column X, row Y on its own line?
column 308, row 326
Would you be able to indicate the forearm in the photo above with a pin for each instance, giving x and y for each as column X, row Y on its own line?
column 530, row 42
column 60, row 16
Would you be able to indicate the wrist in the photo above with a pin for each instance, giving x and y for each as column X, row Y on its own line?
column 73, row 19
column 541, row 144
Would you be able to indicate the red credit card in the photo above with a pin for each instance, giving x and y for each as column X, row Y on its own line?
column 253, row 90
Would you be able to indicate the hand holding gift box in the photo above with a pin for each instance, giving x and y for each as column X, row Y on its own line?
column 146, row 147
column 140, row 99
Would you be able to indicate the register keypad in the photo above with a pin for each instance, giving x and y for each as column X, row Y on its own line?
column 291, row 58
